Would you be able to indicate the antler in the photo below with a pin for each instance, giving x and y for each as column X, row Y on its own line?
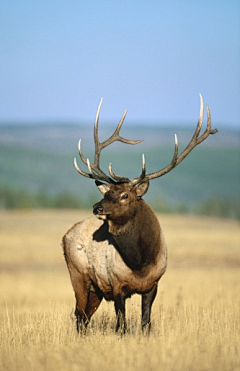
column 94, row 170
column 96, row 173
column 196, row 139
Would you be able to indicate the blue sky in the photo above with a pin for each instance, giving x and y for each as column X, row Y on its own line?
column 58, row 58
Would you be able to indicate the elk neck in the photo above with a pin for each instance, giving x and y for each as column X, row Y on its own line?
column 138, row 239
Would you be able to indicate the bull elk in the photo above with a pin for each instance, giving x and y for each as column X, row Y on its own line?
column 122, row 250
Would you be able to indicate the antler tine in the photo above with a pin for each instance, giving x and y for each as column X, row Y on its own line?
column 170, row 166
column 94, row 170
column 200, row 120
column 79, row 170
column 120, row 123
column 100, row 145
column 116, row 137
column 193, row 143
column 174, row 160
column 93, row 175
column 96, row 140
column 208, row 129
column 91, row 167
column 196, row 139
column 143, row 174
column 80, row 152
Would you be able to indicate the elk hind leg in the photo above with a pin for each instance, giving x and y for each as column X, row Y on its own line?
column 94, row 300
column 81, row 289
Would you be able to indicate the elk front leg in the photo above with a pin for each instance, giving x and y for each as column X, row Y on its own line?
column 147, row 300
column 119, row 304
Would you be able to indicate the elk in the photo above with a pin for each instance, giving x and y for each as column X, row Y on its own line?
column 121, row 250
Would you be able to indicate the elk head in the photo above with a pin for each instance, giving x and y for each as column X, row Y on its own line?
column 120, row 193
column 119, row 202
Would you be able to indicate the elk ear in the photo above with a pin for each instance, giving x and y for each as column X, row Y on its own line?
column 142, row 188
column 103, row 188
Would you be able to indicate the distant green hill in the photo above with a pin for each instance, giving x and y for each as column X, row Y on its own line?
column 36, row 168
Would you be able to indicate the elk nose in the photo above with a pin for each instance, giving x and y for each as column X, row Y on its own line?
column 97, row 208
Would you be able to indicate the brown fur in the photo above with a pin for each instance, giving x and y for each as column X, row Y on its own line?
column 120, row 253
column 125, row 252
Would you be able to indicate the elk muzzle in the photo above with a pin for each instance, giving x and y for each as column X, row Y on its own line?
column 101, row 211
column 97, row 209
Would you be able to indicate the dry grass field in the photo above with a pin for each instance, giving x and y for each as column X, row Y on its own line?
column 196, row 315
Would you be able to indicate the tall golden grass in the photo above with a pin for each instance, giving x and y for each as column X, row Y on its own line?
column 196, row 316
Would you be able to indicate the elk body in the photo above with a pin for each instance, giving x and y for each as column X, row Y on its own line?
column 121, row 250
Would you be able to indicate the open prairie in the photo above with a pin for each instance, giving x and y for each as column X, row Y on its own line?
column 195, row 316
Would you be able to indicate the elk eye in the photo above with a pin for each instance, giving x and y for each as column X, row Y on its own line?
column 124, row 196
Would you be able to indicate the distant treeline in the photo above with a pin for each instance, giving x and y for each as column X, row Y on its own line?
column 24, row 199
column 222, row 208
column 17, row 199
